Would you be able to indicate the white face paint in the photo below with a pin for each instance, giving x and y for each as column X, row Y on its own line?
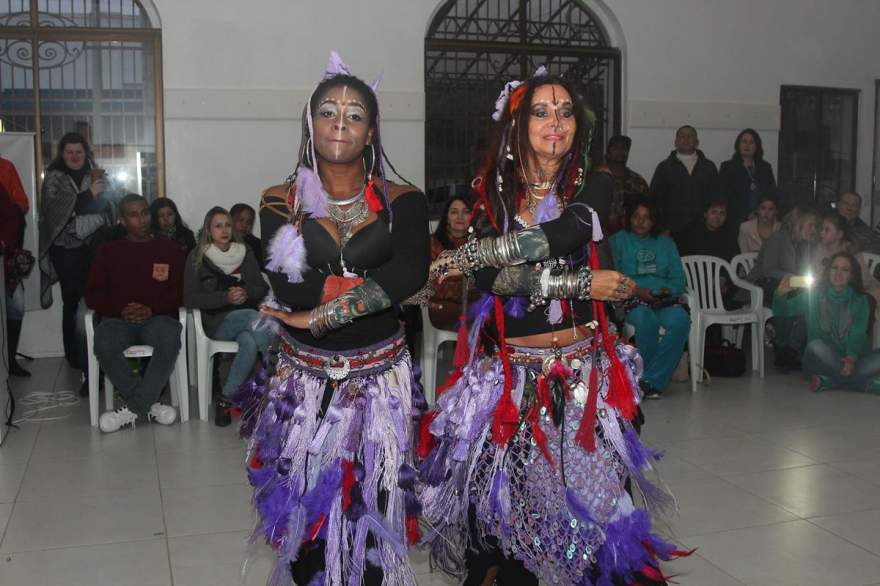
column 341, row 125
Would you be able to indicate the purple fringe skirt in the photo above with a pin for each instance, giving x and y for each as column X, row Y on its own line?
column 568, row 519
column 318, row 464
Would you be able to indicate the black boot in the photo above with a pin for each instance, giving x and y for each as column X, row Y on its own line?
column 13, row 333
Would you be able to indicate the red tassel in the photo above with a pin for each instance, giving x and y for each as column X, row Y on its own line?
column 316, row 528
column 427, row 441
column 235, row 412
column 506, row 418
column 566, row 309
column 413, row 533
column 255, row 462
column 374, row 200
column 462, row 352
column 585, row 436
column 348, row 481
column 450, row 381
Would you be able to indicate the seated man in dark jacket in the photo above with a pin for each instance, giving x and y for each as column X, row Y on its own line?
column 136, row 285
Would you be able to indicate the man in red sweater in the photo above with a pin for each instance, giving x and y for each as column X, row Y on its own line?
column 136, row 285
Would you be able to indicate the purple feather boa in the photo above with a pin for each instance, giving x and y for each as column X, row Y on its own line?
column 640, row 455
column 318, row 501
column 624, row 553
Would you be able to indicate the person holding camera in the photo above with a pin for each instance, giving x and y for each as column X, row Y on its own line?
column 73, row 206
column 653, row 262
column 223, row 279
column 838, row 352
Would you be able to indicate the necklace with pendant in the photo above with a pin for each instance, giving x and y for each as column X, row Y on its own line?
column 346, row 219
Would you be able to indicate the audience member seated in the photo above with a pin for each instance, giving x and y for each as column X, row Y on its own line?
column 136, row 285
column 243, row 223
column 446, row 305
column 786, row 252
column 755, row 232
column 712, row 236
column 849, row 204
column 652, row 261
column 683, row 182
column 628, row 185
column 746, row 179
column 834, row 238
column 222, row 279
column 838, row 353
column 166, row 221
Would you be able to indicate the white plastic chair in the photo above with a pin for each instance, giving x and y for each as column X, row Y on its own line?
column 871, row 262
column 205, row 349
column 707, row 308
column 431, row 340
column 746, row 262
column 177, row 382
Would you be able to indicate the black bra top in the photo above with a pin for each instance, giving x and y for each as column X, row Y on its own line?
column 368, row 248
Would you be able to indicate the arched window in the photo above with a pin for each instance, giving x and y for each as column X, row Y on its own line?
column 473, row 47
column 88, row 66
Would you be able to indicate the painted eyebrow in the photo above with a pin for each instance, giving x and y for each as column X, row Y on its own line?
column 341, row 103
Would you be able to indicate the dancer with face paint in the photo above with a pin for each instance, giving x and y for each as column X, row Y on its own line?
column 529, row 449
column 329, row 417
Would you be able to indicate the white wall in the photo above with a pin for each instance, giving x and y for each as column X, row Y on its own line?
column 237, row 74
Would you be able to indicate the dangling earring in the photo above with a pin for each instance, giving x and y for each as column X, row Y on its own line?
column 580, row 178
column 369, row 170
column 307, row 155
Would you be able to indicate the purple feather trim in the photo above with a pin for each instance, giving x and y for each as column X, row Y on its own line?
column 411, row 504
column 318, row 501
column 515, row 307
column 623, row 554
column 499, row 499
column 406, row 477
column 310, row 193
column 373, row 557
column 357, row 507
column 577, row 508
column 380, row 529
column 639, row 454
column 274, row 503
column 287, row 253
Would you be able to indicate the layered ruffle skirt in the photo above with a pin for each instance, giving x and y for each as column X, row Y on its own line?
column 561, row 509
column 330, row 458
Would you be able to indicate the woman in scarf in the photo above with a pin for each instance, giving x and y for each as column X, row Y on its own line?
column 73, row 206
column 838, row 353
column 532, row 441
column 330, row 420
column 223, row 280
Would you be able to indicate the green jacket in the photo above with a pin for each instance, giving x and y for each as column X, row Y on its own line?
column 838, row 318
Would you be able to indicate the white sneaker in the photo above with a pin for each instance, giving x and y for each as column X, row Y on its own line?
column 164, row 414
column 112, row 420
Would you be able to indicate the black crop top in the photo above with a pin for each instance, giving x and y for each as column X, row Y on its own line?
column 569, row 236
column 397, row 259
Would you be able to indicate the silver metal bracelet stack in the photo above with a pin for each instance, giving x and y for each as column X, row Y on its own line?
column 322, row 319
column 498, row 252
column 561, row 284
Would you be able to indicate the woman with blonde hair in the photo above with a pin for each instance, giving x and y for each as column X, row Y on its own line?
column 223, row 280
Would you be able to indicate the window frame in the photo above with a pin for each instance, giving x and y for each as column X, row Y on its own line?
column 37, row 34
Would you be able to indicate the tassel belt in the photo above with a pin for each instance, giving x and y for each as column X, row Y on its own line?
column 544, row 358
column 341, row 364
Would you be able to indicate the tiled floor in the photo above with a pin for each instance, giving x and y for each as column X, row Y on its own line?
column 776, row 486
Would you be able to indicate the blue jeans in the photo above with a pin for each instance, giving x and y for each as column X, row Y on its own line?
column 822, row 359
column 113, row 336
column 660, row 356
column 238, row 326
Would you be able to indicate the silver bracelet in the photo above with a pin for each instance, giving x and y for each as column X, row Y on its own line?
column 321, row 320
